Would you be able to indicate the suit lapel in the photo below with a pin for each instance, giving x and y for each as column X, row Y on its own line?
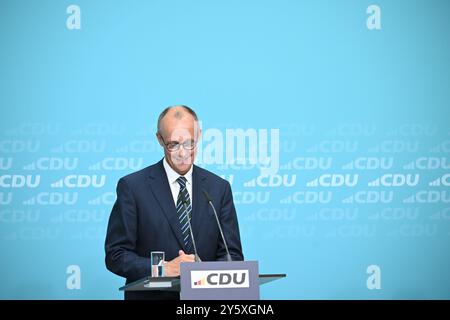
column 161, row 189
column 199, row 204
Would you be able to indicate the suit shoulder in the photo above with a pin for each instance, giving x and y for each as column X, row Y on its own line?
column 138, row 176
column 210, row 175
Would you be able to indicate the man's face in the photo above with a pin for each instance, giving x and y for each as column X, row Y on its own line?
column 177, row 136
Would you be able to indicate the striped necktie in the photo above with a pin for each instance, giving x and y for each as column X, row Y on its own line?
column 183, row 214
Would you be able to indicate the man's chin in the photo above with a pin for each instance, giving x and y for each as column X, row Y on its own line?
column 183, row 166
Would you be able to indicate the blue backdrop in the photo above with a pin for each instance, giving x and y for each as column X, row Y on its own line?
column 329, row 118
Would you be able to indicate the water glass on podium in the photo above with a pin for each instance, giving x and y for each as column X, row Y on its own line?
column 157, row 259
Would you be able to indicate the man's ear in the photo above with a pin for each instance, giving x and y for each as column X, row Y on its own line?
column 197, row 134
column 197, row 131
column 158, row 136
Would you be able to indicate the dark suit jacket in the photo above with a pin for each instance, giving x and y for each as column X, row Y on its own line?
column 144, row 219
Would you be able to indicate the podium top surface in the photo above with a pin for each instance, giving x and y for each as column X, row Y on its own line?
column 173, row 283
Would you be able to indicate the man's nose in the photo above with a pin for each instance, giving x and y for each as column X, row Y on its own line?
column 181, row 151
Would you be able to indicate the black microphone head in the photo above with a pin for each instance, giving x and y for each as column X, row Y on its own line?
column 207, row 196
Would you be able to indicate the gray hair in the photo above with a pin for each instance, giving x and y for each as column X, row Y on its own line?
column 177, row 114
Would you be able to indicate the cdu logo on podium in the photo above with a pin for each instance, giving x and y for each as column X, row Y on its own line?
column 219, row 280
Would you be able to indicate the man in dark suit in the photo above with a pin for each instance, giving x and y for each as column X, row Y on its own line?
column 154, row 204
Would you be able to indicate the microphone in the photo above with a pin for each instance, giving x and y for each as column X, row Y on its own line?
column 197, row 258
column 209, row 199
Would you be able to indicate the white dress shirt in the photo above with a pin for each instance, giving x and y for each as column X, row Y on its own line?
column 172, row 177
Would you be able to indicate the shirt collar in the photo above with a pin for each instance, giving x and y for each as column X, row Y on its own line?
column 172, row 175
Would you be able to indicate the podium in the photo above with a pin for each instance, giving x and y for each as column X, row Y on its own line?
column 173, row 283
column 183, row 282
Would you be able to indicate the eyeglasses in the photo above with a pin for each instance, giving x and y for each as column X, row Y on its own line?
column 175, row 146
